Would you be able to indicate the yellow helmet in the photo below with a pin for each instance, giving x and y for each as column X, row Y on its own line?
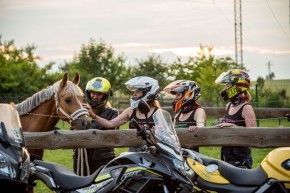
column 239, row 79
column 101, row 85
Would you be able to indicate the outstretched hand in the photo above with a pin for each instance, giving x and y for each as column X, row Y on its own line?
column 225, row 125
column 192, row 128
column 90, row 110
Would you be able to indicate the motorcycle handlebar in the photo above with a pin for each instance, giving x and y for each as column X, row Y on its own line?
column 136, row 124
column 140, row 131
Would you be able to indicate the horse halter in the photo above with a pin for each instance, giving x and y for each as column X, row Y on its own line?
column 74, row 115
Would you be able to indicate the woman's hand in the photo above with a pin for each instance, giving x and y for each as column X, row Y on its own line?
column 225, row 125
column 192, row 128
column 90, row 110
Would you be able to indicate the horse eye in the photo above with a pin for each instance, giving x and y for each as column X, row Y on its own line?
column 67, row 100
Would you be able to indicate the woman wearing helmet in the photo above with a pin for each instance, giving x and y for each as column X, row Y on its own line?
column 144, row 88
column 98, row 90
column 189, row 113
column 238, row 113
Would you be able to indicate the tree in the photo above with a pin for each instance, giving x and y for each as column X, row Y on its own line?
column 271, row 76
column 204, row 70
column 271, row 96
column 96, row 59
column 20, row 76
column 154, row 67
column 260, row 82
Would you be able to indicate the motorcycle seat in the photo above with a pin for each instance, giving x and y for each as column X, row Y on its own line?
column 66, row 178
column 238, row 176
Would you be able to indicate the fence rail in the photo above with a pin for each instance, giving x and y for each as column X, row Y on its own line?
column 261, row 113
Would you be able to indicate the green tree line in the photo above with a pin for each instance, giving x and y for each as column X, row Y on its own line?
column 21, row 76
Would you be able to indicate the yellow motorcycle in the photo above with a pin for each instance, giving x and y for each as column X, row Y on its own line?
column 212, row 175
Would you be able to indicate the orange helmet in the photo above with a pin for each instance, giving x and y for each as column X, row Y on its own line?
column 189, row 89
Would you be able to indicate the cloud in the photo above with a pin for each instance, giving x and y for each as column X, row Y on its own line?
column 265, row 51
column 192, row 51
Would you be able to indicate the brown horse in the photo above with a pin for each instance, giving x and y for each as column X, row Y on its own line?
column 63, row 100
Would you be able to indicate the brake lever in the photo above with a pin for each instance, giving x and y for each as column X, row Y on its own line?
column 141, row 131
column 136, row 125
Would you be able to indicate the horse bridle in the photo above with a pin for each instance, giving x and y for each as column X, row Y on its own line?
column 74, row 115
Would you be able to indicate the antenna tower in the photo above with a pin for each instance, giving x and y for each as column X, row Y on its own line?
column 238, row 32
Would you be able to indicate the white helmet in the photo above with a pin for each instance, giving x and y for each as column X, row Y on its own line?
column 147, row 85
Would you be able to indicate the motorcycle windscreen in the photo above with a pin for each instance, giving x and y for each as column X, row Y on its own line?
column 10, row 127
column 164, row 130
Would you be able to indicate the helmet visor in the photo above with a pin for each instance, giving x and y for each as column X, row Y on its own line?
column 133, row 87
column 172, row 88
column 138, row 87
column 223, row 78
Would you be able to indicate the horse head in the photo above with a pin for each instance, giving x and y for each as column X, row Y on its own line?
column 68, row 101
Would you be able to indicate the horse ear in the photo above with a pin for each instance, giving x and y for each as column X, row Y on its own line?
column 64, row 80
column 76, row 79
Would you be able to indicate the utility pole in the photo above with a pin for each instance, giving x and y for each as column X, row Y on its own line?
column 270, row 76
column 238, row 32
column 269, row 68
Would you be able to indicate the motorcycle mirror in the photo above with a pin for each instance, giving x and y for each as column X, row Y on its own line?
column 3, row 134
column 143, row 107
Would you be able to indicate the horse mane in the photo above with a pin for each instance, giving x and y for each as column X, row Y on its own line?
column 38, row 98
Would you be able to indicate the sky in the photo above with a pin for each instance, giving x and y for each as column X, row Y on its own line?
column 138, row 28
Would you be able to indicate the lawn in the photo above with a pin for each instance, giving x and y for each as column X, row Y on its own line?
column 64, row 157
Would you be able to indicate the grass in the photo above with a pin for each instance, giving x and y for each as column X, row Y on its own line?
column 64, row 157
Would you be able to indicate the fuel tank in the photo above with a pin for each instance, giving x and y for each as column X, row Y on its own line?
column 277, row 164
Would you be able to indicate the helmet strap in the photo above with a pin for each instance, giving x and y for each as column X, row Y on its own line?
column 97, row 106
column 186, row 108
column 237, row 100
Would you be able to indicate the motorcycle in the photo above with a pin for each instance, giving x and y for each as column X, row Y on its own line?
column 159, row 167
column 208, row 174
column 14, row 157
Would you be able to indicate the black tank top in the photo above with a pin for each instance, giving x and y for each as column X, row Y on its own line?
column 142, row 121
column 236, row 118
column 232, row 154
column 186, row 123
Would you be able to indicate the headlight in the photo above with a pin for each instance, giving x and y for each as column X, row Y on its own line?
column 178, row 165
column 5, row 167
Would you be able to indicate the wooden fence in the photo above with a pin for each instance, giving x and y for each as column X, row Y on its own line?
column 209, row 136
